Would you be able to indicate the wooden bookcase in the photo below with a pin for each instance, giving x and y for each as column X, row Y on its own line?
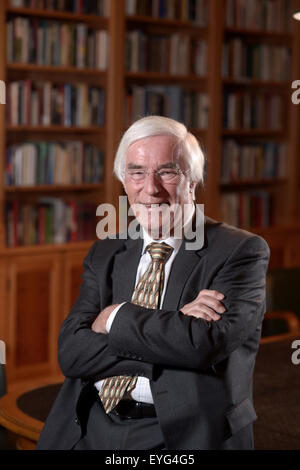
column 39, row 283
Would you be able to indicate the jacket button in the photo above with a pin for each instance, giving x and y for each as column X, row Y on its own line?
column 77, row 421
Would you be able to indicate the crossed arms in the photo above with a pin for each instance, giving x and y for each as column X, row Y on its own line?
column 185, row 338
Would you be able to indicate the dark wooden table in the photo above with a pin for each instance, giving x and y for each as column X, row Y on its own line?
column 276, row 399
column 23, row 410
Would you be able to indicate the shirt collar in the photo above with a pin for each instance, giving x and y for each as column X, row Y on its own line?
column 175, row 243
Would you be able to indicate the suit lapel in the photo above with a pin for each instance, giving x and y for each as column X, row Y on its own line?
column 182, row 268
column 124, row 272
column 184, row 264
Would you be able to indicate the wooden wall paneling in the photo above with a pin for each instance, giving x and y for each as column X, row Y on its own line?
column 34, row 303
column 72, row 271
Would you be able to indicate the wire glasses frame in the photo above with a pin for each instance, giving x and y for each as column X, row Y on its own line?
column 165, row 175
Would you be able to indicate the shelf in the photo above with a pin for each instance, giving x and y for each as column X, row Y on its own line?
column 178, row 24
column 241, row 184
column 94, row 20
column 29, row 68
column 54, row 188
column 252, row 82
column 253, row 133
column 260, row 34
column 56, row 129
column 165, row 77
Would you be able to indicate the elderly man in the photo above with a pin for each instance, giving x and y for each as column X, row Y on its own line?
column 159, row 349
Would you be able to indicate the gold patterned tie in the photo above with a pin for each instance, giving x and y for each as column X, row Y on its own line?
column 147, row 293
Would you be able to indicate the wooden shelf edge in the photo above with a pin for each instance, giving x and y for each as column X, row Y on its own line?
column 55, row 187
column 59, row 129
column 59, row 15
column 44, row 249
column 166, row 22
column 252, row 133
column 25, row 67
column 253, row 182
column 256, row 83
column 165, row 77
column 283, row 35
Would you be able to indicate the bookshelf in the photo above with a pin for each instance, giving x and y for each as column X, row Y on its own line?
column 41, row 269
column 261, row 168
column 259, row 64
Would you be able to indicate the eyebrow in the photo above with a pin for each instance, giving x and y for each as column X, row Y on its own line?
column 134, row 166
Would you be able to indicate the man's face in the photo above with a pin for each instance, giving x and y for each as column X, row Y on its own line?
column 161, row 206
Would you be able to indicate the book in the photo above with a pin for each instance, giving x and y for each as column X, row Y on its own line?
column 42, row 163
column 43, row 42
column 48, row 103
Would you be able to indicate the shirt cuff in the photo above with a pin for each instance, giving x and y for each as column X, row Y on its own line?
column 112, row 317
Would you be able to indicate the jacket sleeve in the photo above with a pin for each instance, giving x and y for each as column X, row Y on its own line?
column 82, row 353
column 170, row 338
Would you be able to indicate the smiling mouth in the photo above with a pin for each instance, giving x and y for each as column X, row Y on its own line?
column 155, row 205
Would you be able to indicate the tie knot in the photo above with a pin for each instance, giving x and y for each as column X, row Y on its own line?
column 159, row 251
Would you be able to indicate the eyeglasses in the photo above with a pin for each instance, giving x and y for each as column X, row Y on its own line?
column 165, row 175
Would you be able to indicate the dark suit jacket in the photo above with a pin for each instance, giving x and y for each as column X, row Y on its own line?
column 200, row 372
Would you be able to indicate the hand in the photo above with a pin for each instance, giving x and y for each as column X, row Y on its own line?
column 206, row 305
column 99, row 325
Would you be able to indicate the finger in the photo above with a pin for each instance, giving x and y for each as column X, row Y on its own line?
column 209, row 312
column 212, row 293
column 213, row 303
column 204, row 310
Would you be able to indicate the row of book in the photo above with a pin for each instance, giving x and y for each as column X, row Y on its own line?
column 47, row 103
column 189, row 107
column 175, row 54
column 242, row 60
column 95, row 7
column 270, row 15
column 49, row 220
column 247, row 209
column 35, row 163
column 253, row 111
column 255, row 161
column 184, row 10
column 40, row 42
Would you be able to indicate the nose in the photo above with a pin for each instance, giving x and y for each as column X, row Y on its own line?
column 152, row 185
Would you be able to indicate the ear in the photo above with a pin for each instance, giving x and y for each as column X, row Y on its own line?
column 192, row 188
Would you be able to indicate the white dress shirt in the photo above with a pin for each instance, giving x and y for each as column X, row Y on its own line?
column 142, row 391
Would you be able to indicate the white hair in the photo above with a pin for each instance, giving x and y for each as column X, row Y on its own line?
column 188, row 147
